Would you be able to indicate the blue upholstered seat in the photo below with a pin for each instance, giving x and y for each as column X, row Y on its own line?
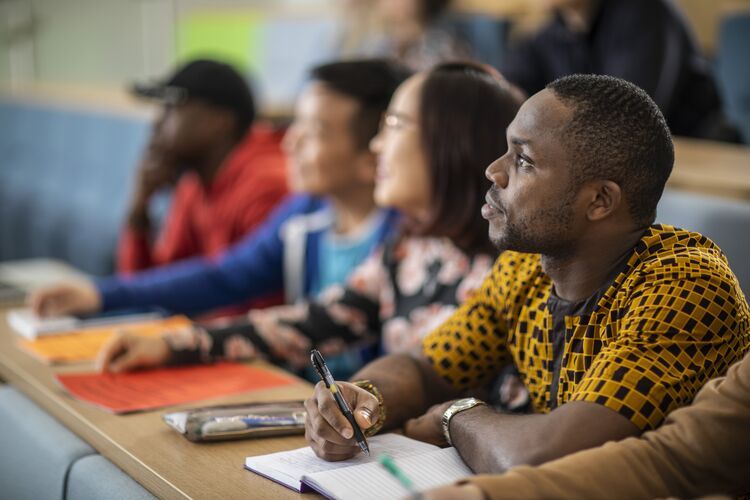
column 94, row 477
column 36, row 451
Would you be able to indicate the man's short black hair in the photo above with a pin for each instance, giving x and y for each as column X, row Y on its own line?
column 617, row 133
column 371, row 83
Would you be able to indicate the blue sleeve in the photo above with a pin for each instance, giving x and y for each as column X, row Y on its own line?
column 251, row 268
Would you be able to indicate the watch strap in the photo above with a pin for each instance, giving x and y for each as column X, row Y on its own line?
column 455, row 409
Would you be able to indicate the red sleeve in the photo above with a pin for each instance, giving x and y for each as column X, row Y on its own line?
column 265, row 185
column 270, row 188
column 178, row 239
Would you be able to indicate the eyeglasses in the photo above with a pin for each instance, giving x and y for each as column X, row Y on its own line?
column 395, row 121
column 174, row 95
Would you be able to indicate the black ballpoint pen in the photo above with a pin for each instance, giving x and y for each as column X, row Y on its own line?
column 320, row 366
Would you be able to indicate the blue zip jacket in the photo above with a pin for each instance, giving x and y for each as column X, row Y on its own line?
column 282, row 254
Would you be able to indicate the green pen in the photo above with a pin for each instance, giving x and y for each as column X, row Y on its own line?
column 390, row 465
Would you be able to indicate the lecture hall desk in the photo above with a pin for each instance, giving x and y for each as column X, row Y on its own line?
column 143, row 446
column 711, row 168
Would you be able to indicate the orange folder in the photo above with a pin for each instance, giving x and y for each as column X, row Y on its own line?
column 149, row 389
column 83, row 345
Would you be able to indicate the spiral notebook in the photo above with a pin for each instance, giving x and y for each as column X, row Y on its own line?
column 362, row 477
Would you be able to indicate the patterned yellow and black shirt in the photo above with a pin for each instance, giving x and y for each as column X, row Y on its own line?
column 673, row 318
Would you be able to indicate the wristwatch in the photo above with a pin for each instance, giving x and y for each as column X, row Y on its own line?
column 453, row 410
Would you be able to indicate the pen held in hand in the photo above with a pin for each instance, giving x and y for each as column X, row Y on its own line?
column 325, row 374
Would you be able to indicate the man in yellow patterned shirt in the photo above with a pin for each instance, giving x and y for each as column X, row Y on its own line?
column 611, row 321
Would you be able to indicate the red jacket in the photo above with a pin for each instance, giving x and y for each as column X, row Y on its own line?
column 204, row 222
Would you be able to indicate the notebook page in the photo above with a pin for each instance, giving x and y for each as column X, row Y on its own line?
column 288, row 467
column 371, row 481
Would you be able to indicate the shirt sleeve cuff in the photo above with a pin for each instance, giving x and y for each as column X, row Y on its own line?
column 112, row 293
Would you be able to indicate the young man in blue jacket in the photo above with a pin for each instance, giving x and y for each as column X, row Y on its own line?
column 312, row 240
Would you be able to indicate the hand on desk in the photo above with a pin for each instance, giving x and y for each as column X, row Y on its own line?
column 327, row 430
column 79, row 298
column 128, row 352
column 285, row 341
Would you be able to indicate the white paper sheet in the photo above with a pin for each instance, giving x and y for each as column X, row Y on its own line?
column 372, row 482
column 288, row 467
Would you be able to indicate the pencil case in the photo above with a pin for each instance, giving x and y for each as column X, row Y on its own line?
column 240, row 421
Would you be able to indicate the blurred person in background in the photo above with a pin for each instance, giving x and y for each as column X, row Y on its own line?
column 646, row 42
column 312, row 240
column 228, row 172
column 409, row 31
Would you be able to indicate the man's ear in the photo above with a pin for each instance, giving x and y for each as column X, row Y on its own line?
column 366, row 166
column 606, row 199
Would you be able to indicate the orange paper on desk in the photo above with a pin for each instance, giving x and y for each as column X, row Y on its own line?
column 83, row 345
column 146, row 390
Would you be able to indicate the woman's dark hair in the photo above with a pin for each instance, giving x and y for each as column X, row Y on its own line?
column 465, row 108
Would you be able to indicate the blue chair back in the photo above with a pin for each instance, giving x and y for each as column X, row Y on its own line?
column 485, row 35
column 64, row 182
column 733, row 67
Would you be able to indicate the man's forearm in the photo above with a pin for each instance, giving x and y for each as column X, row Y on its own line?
column 491, row 442
column 409, row 386
column 707, row 440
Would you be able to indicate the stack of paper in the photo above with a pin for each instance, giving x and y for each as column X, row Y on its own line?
column 31, row 326
column 83, row 345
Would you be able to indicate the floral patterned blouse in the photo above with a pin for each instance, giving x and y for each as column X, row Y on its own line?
column 397, row 296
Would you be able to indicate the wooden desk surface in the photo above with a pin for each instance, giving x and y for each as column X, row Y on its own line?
column 158, row 458
column 711, row 168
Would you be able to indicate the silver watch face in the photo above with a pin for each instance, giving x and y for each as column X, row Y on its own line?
column 457, row 407
column 464, row 403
